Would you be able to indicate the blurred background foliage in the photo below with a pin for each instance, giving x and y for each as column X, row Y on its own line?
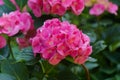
column 104, row 63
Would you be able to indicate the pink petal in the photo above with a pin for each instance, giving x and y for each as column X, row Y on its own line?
column 46, row 7
column 58, row 9
column 35, row 5
column 55, row 59
column 2, row 42
column 62, row 49
column 77, row 6
column 112, row 8
column 80, row 59
column 66, row 3
column 97, row 9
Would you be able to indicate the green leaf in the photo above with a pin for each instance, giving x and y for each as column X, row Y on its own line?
column 91, row 65
column 112, row 34
column 69, row 75
column 117, row 77
column 4, row 52
column 99, row 46
column 33, row 78
column 4, row 9
column 113, row 57
column 26, row 55
column 9, row 4
column 2, row 57
column 105, row 22
column 92, row 59
column 18, row 70
column 21, row 3
column 92, row 36
column 4, row 76
column 114, row 46
column 108, row 70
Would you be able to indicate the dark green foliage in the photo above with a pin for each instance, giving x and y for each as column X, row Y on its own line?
column 104, row 64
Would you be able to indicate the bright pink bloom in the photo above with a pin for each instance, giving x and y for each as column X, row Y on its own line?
column 1, row 2
column 9, row 26
column 66, row 3
column 77, row 6
column 99, row 6
column 14, row 22
column 47, row 7
column 58, row 9
column 97, row 9
column 36, row 6
column 56, row 40
column 2, row 42
column 53, row 2
column 112, row 8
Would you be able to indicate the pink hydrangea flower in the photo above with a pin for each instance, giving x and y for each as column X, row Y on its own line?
column 2, row 42
column 14, row 22
column 77, row 6
column 97, row 9
column 99, row 6
column 1, row 2
column 36, row 6
column 112, row 8
column 56, row 40
column 47, row 7
column 58, row 7
column 66, row 3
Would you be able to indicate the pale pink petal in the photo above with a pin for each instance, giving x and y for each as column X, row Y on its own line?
column 97, row 9
column 112, row 8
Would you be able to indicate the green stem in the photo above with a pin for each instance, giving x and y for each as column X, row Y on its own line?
column 50, row 70
column 44, row 71
column 10, row 48
column 86, row 71
column 42, row 66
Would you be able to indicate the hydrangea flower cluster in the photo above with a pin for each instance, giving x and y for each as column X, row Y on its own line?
column 56, row 40
column 58, row 7
column 99, row 6
column 14, row 22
